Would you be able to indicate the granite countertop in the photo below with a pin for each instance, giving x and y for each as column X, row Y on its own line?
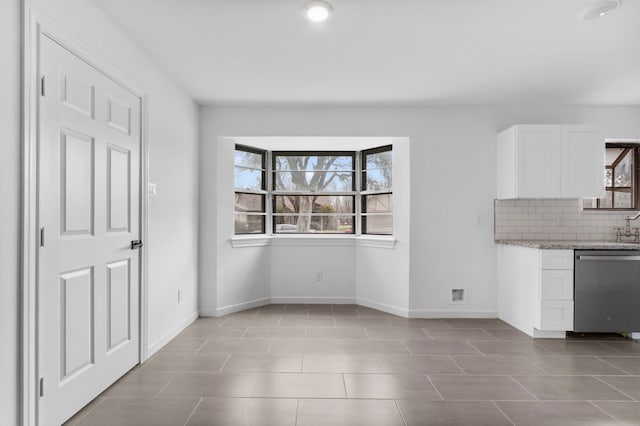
column 572, row 245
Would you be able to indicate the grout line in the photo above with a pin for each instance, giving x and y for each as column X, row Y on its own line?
column 407, row 347
column 605, row 412
column 344, row 383
column 224, row 363
column 524, row 387
column 429, row 334
column 201, row 346
column 472, row 345
column 165, row 386
column 503, row 413
column 425, row 331
column 400, row 411
column 615, row 388
column 537, row 366
column 458, row 365
column 544, row 348
column 629, row 373
column 193, row 411
column 434, row 386
column 620, row 353
column 489, row 334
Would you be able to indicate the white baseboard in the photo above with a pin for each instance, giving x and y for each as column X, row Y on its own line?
column 446, row 313
column 158, row 344
column 390, row 309
column 207, row 312
column 546, row 334
column 230, row 309
column 314, row 300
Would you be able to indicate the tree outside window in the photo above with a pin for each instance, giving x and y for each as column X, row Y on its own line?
column 620, row 179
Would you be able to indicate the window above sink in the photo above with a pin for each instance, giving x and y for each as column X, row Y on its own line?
column 621, row 179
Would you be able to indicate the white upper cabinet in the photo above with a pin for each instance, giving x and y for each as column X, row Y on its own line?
column 550, row 161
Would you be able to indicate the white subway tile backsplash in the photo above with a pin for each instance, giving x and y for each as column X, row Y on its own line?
column 554, row 220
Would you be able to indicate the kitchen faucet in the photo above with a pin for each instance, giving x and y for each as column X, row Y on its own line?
column 627, row 228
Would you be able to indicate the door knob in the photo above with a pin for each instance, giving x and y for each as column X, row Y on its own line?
column 136, row 244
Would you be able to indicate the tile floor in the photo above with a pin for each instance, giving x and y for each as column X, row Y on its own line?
column 349, row 365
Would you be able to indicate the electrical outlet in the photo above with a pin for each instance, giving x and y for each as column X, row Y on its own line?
column 479, row 219
column 319, row 277
column 457, row 295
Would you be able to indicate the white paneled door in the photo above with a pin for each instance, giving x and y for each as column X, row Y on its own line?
column 89, row 211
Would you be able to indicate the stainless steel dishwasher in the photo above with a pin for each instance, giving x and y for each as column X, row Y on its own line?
column 607, row 291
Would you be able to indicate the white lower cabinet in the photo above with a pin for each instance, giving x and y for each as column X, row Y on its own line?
column 535, row 290
column 556, row 315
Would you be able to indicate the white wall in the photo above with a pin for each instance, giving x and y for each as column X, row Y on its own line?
column 238, row 279
column 294, row 272
column 383, row 275
column 173, row 143
column 452, row 183
column 173, row 164
column 286, row 270
column 9, row 207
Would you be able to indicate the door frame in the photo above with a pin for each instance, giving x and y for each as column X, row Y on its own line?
column 36, row 25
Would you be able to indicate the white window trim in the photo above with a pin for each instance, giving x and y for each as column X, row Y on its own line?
column 262, row 240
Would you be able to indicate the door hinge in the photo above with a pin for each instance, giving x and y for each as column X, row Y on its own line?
column 41, row 386
column 42, row 237
column 42, row 85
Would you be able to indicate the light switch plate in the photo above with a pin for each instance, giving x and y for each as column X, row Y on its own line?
column 153, row 189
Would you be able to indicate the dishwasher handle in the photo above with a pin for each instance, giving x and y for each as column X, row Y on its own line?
column 591, row 257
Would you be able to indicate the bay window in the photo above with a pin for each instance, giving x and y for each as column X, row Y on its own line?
column 313, row 192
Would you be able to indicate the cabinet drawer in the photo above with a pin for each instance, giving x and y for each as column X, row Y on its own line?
column 556, row 315
column 556, row 284
column 556, row 259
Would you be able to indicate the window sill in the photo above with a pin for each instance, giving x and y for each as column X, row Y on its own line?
column 377, row 241
column 238, row 241
column 386, row 242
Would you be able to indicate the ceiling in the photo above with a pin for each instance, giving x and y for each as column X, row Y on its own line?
column 390, row 52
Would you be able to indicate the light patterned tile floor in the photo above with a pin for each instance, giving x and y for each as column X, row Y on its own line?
column 350, row 365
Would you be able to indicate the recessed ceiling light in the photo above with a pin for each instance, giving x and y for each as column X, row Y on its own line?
column 317, row 10
column 599, row 9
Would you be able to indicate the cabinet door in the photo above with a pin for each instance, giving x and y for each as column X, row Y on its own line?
column 583, row 157
column 556, row 284
column 556, row 315
column 537, row 161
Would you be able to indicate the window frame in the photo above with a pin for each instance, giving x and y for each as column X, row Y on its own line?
column 262, row 192
column 358, row 192
column 283, row 193
column 635, row 178
column 364, row 192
